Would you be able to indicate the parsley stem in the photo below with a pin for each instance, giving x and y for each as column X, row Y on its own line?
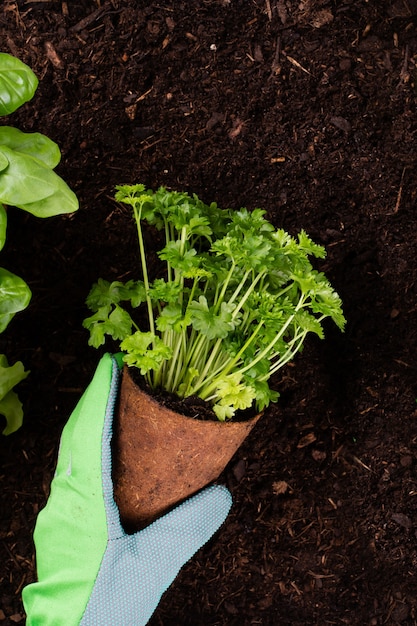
column 138, row 215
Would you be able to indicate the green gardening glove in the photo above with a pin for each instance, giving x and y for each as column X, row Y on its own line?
column 90, row 572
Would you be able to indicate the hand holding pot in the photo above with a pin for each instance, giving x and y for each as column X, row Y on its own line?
column 90, row 571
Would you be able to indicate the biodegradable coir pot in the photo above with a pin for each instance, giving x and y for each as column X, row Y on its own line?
column 162, row 457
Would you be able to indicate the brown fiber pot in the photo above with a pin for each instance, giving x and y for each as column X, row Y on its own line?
column 162, row 457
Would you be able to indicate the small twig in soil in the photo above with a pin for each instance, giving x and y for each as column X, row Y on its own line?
column 268, row 10
column 361, row 463
column 106, row 9
column 276, row 61
column 400, row 192
column 143, row 96
column 404, row 73
column 53, row 56
column 297, row 590
column 296, row 64
column 86, row 21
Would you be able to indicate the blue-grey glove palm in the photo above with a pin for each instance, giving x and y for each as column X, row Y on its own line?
column 90, row 572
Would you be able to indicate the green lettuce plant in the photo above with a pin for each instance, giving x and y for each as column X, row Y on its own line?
column 27, row 181
column 232, row 304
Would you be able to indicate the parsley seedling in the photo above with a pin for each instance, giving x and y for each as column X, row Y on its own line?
column 234, row 305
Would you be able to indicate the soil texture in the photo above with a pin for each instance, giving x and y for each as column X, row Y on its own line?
column 308, row 110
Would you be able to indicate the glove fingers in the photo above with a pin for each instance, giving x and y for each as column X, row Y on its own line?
column 137, row 569
column 189, row 526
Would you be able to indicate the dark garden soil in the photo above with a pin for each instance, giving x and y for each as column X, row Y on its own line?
column 307, row 109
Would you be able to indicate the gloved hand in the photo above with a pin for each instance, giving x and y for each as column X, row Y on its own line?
column 90, row 572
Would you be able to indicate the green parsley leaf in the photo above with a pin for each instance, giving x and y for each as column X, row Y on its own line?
column 211, row 324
